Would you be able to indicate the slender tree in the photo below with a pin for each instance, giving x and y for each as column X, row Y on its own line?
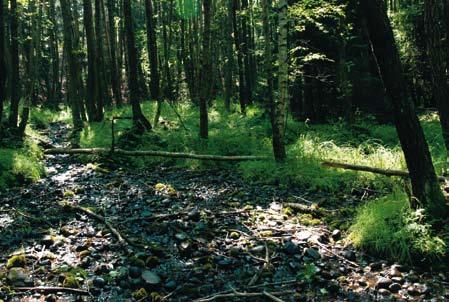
column 281, row 100
column 2, row 60
column 55, row 91
column 115, row 78
column 206, row 69
column 437, row 52
column 153, row 58
column 140, row 121
column 93, row 89
column 71, row 47
column 426, row 189
column 15, row 78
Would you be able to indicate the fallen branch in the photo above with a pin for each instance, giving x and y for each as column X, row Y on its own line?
column 122, row 239
column 272, row 297
column 236, row 294
column 386, row 172
column 105, row 151
column 50, row 289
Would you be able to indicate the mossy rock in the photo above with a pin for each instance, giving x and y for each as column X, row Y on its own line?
column 140, row 294
column 16, row 261
column 69, row 193
column 234, row 235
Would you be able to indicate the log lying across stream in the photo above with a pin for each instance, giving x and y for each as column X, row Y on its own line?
column 99, row 151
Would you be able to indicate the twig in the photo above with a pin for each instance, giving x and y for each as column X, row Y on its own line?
column 122, row 239
column 274, row 298
column 335, row 254
column 50, row 289
column 241, row 295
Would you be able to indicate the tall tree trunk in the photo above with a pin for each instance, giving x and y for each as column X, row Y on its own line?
column 229, row 56
column 101, row 83
column 426, row 188
column 438, row 61
column 55, row 93
column 206, row 69
column 280, row 104
column 2, row 61
column 72, row 59
column 140, row 121
column 153, row 58
column 237, row 39
column 268, row 61
column 15, row 78
column 115, row 78
column 93, row 89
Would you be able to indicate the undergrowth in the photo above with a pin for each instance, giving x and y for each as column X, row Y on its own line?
column 389, row 227
column 22, row 162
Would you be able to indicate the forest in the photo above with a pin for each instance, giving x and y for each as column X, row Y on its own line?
column 224, row 150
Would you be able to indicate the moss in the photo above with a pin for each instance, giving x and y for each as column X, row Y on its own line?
column 308, row 220
column 16, row 261
column 140, row 294
column 234, row 235
column 70, row 281
column 165, row 188
column 69, row 193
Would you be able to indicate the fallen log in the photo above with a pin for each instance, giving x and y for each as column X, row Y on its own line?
column 104, row 151
column 386, row 172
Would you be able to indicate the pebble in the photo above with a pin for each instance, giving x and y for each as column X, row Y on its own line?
column 383, row 282
column 134, row 272
column 312, row 253
column 99, row 282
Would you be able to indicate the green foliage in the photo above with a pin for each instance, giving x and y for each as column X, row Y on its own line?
column 388, row 226
column 20, row 164
column 41, row 118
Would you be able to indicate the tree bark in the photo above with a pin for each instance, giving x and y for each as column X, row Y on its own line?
column 15, row 77
column 140, row 121
column 438, row 61
column 115, row 78
column 206, row 70
column 73, row 64
column 425, row 186
column 93, row 90
column 2, row 61
column 281, row 100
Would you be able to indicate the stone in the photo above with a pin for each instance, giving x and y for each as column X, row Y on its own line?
column 383, row 282
column 350, row 255
column 394, row 272
column 134, row 272
column 303, row 235
column 99, row 282
column 291, row 249
column 18, row 277
column 375, row 266
column 336, row 234
column 170, row 284
column 417, row 289
column 384, row 292
column 312, row 253
column 151, row 278
column 395, row 287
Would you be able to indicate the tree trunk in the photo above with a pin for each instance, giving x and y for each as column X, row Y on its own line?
column 153, row 58
column 115, row 78
column 282, row 99
column 206, row 70
column 140, row 121
column 425, row 185
column 268, row 60
column 438, row 61
column 2, row 61
column 15, row 78
column 93, row 90
column 55, row 93
column 73, row 64
column 229, row 57
column 237, row 39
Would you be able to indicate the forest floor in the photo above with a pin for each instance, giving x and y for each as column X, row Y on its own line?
column 189, row 236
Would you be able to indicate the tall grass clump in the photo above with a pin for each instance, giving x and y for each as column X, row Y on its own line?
column 389, row 227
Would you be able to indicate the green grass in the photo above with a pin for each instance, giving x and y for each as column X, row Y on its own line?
column 387, row 226
column 366, row 143
column 21, row 163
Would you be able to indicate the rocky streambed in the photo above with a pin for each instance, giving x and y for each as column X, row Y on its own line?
column 186, row 236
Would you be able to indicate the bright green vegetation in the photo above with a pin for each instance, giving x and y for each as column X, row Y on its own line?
column 366, row 143
column 21, row 162
column 388, row 226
